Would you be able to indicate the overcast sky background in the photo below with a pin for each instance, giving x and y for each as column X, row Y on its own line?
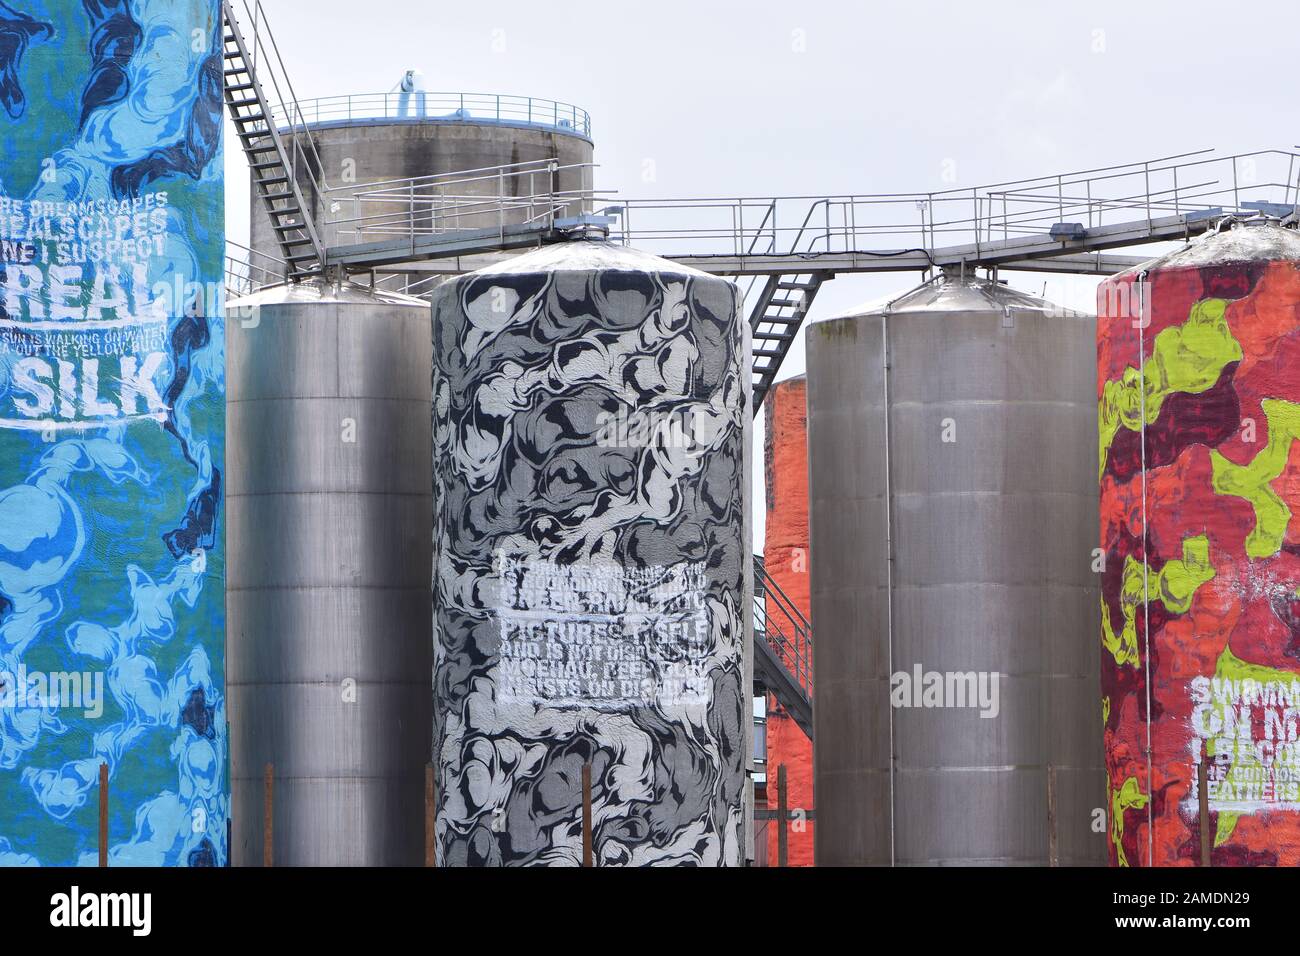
column 762, row 98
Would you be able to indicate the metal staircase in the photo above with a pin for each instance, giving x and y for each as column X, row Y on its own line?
column 782, row 649
column 775, row 320
column 274, row 166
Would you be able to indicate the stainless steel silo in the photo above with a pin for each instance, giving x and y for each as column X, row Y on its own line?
column 953, row 513
column 592, row 562
column 329, row 530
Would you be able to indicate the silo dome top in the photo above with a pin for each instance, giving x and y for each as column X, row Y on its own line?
column 951, row 292
column 1243, row 241
column 587, row 256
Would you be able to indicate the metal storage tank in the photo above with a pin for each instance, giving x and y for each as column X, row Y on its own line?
column 367, row 139
column 952, row 507
column 328, row 603
column 592, row 561
column 786, row 558
column 1199, row 409
column 112, row 436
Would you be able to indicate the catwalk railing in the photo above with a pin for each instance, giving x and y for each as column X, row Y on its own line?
column 783, row 648
column 418, row 106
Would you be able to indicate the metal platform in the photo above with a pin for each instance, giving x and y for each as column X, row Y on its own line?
column 1061, row 223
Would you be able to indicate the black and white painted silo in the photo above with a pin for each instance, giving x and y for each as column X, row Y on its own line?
column 591, row 447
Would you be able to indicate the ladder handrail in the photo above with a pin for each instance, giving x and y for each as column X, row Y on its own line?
column 287, row 98
column 256, row 127
column 794, row 654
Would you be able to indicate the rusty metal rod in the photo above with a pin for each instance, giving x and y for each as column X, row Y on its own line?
column 586, row 815
column 103, row 814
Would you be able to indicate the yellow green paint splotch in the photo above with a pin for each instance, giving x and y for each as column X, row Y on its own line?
column 1252, row 481
column 1129, row 796
column 1186, row 358
column 1175, row 585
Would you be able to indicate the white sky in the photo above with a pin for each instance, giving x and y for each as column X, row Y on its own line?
column 883, row 97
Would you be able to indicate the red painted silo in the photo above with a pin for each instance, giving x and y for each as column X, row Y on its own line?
column 1199, row 391
column 785, row 552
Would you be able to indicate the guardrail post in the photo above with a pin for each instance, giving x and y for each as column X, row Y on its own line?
column 782, row 819
column 1146, row 180
column 1203, row 798
column 586, row 815
column 430, row 817
column 1053, row 849
column 268, row 797
column 103, row 814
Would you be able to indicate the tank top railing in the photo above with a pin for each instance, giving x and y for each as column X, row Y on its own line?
column 419, row 106
column 248, row 270
column 526, row 193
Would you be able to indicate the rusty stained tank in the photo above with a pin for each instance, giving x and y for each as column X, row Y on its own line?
column 786, row 558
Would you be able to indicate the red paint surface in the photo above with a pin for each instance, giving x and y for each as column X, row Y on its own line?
column 1249, row 607
column 786, row 553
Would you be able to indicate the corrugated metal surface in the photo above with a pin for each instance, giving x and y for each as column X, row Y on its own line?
column 973, row 455
column 329, row 530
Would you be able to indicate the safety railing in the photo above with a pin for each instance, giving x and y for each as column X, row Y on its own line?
column 483, row 108
column 1196, row 183
column 268, row 68
column 490, row 197
column 248, row 270
column 784, row 628
column 420, row 287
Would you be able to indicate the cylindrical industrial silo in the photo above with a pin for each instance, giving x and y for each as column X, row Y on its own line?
column 112, row 436
column 786, row 560
column 591, row 561
column 952, row 504
column 1199, row 411
column 329, row 530
column 367, row 144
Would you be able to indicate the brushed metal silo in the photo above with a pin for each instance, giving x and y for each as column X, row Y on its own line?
column 952, row 504
column 329, row 530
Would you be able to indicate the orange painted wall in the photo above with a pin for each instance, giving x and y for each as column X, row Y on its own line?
column 786, row 553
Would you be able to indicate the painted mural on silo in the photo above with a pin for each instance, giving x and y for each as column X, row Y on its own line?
column 591, row 561
column 1199, row 393
column 111, row 432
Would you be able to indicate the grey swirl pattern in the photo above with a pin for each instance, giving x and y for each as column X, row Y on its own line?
column 590, row 433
